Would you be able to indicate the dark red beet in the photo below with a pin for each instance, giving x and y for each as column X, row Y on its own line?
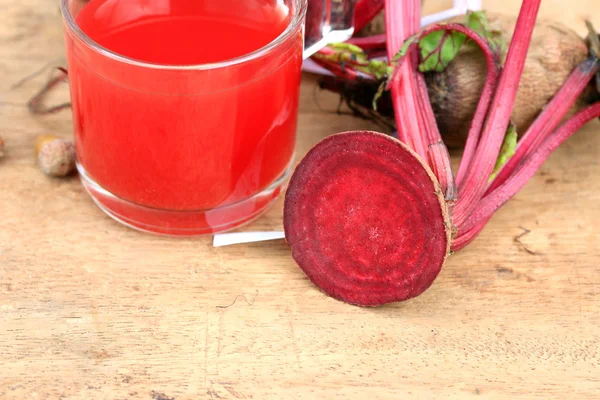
column 366, row 219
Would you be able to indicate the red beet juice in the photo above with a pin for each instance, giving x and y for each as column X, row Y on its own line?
column 184, row 111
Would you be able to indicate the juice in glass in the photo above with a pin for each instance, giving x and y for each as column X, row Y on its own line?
column 184, row 112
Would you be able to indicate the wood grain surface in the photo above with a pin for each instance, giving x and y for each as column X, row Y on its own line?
column 90, row 309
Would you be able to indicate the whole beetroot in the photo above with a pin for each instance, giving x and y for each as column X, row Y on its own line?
column 454, row 93
column 555, row 51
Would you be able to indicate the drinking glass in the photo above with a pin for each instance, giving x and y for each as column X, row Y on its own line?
column 192, row 149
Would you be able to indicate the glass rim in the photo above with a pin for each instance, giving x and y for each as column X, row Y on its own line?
column 299, row 14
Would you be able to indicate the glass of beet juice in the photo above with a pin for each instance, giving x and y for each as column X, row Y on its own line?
column 185, row 111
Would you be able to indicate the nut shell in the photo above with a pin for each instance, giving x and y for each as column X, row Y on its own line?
column 56, row 157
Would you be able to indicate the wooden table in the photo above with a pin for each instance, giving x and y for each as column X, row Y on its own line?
column 90, row 309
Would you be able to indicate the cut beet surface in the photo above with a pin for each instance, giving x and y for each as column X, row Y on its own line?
column 366, row 219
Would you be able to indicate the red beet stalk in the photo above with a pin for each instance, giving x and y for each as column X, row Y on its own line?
column 477, row 176
column 541, row 128
column 402, row 18
column 414, row 116
column 529, row 166
column 485, row 99
column 365, row 11
column 375, row 42
column 550, row 117
column 466, row 236
column 337, row 68
column 437, row 152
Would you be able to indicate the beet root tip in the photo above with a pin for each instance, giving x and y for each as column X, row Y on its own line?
column 366, row 220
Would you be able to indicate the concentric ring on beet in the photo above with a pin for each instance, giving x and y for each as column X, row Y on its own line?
column 366, row 220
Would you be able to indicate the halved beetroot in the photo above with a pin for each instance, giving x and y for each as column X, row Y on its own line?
column 366, row 220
